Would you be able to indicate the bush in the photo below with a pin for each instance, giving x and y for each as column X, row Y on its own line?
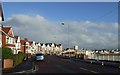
column 7, row 53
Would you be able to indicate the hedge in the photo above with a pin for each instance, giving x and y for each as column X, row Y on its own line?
column 8, row 54
column 18, row 58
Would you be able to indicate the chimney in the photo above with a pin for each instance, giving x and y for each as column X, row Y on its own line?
column 26, row 39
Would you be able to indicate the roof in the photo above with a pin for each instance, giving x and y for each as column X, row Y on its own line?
column 16, row 37
column 48, row 44
column 26, row 39
column 6, row 29
column 57, row 45
column 30, row 42
column 41, row 44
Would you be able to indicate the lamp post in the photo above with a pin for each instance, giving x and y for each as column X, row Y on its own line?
column 62, row 23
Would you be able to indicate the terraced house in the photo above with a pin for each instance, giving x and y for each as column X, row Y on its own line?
column 51, row 48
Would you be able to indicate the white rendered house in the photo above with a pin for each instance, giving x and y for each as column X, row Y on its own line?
column 17, row 45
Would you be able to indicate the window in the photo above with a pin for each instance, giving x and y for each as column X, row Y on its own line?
column 14, row 41
column 7, row 38
column 10, row 40
column 26, row 47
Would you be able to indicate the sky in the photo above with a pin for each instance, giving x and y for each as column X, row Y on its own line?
column 60, row 0
column 91, row 25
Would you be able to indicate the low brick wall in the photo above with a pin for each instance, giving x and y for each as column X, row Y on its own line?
column 8, row 63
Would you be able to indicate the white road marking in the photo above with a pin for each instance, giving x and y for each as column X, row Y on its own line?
column 94, row 72
column 88, row 70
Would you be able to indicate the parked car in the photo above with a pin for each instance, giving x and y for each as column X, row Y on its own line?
column 39, row 56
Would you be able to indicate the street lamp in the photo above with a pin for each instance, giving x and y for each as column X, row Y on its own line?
column 62, row 23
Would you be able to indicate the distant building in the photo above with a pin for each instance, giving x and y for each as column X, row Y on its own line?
column 50, row 48
column 76, row 47
column 90, row 54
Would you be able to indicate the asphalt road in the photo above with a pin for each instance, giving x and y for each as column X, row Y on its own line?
column 54, row 64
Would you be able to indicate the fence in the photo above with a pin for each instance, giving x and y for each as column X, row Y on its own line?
column 109, row 57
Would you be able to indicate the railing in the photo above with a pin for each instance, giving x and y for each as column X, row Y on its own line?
column 109, row 57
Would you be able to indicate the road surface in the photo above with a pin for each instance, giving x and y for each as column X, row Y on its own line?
column 55, row 64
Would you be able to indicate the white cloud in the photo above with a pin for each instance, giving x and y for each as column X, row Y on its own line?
column 85, row 34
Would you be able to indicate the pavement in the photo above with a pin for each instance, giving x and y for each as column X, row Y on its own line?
column 23, row 67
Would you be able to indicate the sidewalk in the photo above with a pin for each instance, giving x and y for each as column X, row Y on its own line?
column 25, row 65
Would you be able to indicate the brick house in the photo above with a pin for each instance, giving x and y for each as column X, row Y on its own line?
column 25, row 46
column 8, row 39
column 22, row 46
